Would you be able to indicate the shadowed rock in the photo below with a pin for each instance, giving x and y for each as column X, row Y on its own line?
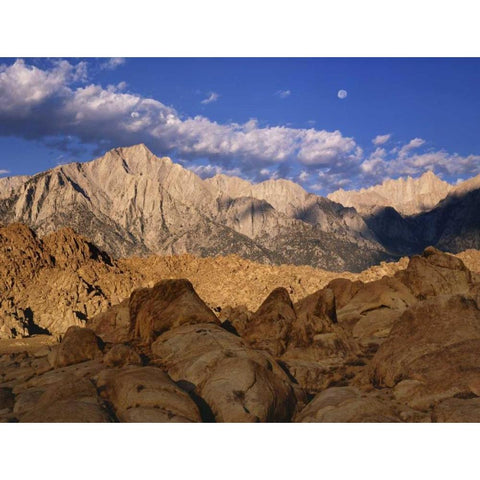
column 372, row 311
column 315, row 333
column 270, row 326
column 146, row 394
column 169, row 304
column 78, row 345
column 436, row 273
column 70, row 400
column 348, row 404
column 457, row 410
column 435, row 347
column 120, row 355
column 238, row 383
column 113, row 325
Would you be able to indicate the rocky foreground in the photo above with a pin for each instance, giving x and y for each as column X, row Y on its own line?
column 401, row 348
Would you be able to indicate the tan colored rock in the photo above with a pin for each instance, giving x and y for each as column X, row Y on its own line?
column 457, row 410
column 114, row 324
column 436, row 273
column 348, row 404
column 312, row 377
column 71, row 400
column 120, row 355
column 270, row 326
column 78, row 345
column 204, row 357
column 169, row 304
column 435, row 343
column 146, row 394
column 242, row 390
column 344, row 290
column 315, row 334
column 373, row 310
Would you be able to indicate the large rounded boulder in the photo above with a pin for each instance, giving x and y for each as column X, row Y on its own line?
column 169, row 304
column 237, row 383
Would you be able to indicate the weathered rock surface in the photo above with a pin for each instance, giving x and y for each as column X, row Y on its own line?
column 69, row 400
column 315, row 332
column 169, row 304
column 457, row 410
column 204, row 355
column 146, row 394
column 436, row 273
column 435, row 344
column 374, row 308
column 120, row 355
column 270, row 326
column 78, row 345
column 347, row 404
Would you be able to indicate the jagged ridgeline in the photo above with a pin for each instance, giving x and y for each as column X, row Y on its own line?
column 130, row 202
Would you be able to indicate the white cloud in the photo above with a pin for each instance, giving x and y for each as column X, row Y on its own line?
column 51, row 106
column 212, row 97
column 303, row 176
column 113, row 63
column 4, row 172
column 381, row 139
column 283, row 93
column 411, row 145
column 206, row 171
column 342, row 94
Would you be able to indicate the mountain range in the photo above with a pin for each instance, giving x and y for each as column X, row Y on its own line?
column 131, row 202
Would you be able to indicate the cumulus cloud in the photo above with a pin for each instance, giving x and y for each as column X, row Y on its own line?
column 212, row 97
column 46, row 105
column 283, row 93
column 113, row 63
column 57, row 106
column 411, row 145
column 381, row 139
column 207, row 171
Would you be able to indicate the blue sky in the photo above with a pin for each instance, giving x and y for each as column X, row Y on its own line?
column 255, row 118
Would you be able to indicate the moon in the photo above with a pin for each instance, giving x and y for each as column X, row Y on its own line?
column 342, row 94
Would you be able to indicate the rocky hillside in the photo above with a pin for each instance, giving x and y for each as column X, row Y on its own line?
column 131, row 202
column 49, row 283
column 402, row 348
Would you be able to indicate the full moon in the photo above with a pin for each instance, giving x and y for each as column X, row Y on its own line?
column 342, row 94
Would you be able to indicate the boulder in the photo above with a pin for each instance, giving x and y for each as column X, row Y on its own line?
column 237, row 383
column 71, row 400
column 270, row 326
column 7, row 398
column 242, row 390
column 435, row 345
column 457, row 410
column 235, row 319
column 348, row 404
column 315, row 333
column 312, row 377
column 344, row 290
column 78, row 345
column 372, row 311
column 113, row 325
column 120, row 355
column 146, row 394
column 436, row 273
column 169, row 304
